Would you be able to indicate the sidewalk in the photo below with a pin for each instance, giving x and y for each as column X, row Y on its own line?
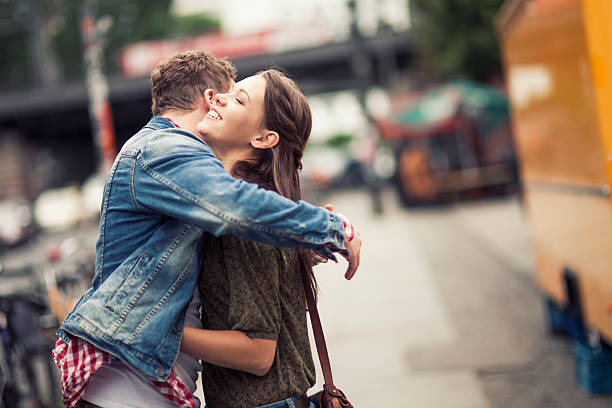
column 443, row 312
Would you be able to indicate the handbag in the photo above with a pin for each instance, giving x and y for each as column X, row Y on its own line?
column 330, row 396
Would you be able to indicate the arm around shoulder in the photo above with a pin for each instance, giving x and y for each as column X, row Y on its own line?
column 178, row 176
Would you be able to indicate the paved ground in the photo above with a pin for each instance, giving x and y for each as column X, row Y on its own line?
column 444, row 312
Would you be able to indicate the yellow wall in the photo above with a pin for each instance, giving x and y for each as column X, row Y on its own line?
column 597, row 17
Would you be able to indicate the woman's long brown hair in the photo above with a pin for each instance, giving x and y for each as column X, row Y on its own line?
column 287, row 113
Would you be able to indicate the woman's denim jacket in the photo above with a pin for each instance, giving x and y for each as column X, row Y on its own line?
column 164, row 191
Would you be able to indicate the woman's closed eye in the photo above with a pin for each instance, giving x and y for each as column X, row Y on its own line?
column 242, row 96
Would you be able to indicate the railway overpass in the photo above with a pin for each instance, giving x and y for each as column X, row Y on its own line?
column 52, row 125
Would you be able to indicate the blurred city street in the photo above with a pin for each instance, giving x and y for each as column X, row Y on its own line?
column 414, row 327
column 444, row 312
column 449, row 107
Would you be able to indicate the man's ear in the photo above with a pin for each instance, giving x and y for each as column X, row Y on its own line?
column 265, row 139
column 207, row 99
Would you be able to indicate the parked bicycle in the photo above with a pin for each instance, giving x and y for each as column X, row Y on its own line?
column 34, row 300
column 27, row 333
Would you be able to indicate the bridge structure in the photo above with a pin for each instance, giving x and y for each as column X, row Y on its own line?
column 53, row 125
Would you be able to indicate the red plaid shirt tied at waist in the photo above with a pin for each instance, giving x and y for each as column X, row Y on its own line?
column 78, row 360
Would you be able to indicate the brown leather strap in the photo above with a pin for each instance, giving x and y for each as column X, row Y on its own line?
column 317, row 331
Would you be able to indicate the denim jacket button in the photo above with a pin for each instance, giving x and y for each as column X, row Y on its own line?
column 159, row 372
column 175, row 329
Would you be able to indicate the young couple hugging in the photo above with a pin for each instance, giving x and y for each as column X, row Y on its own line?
column 203, row 243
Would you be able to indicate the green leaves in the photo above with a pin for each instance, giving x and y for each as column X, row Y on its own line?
column 58, row 22
column 458, row 36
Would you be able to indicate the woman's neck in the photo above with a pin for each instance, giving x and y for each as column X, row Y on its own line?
column 230, row 158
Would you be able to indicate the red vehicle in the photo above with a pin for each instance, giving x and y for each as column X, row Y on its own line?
column 454, row 139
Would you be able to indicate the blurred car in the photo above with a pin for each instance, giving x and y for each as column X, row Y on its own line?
column 452, row 139
column 16, row 222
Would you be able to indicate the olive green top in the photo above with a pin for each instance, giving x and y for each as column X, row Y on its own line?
column 258, row 290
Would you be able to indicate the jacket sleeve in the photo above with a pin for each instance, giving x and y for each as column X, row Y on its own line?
column 180, row 177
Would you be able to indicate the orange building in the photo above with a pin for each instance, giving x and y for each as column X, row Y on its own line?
column 558, row 65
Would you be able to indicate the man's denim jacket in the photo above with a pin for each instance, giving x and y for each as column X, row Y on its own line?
column 164, row 191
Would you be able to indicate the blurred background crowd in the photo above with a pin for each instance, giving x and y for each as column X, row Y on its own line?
column 438, row 127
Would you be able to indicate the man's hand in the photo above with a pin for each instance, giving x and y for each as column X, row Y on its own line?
column 317, row 259
column 354, row 250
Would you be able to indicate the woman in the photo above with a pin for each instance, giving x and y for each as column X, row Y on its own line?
column 255, row 343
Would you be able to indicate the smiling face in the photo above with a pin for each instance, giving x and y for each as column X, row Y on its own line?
column 234, row 119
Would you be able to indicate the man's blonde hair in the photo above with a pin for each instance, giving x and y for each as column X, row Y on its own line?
column 179, row 81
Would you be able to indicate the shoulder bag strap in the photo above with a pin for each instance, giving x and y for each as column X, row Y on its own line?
column 318, row 332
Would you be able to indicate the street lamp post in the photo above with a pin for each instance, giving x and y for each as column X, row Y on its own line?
column 93, row 33
column 362, row 70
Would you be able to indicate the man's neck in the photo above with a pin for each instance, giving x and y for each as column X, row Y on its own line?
column 185, row 120
column 189, row 120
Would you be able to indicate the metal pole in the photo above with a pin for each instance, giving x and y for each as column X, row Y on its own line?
column 362, row 70
column 92, row 35
column 44, row 68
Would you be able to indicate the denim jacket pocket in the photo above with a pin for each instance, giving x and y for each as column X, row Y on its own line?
column 127, row 284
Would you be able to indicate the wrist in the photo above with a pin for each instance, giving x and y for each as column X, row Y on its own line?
column 349, row 230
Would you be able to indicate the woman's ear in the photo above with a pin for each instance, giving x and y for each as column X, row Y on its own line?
column 265, row 140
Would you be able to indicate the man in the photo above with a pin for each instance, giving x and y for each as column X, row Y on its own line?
column 164, row 192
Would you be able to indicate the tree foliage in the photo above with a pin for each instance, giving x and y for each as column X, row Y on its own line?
column 458, row 37
column 132, row 20
column 14, row 56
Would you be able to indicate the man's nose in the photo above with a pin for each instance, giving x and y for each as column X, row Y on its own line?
column 220, row 99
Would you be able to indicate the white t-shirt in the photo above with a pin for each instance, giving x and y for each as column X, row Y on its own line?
column 116, row 385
